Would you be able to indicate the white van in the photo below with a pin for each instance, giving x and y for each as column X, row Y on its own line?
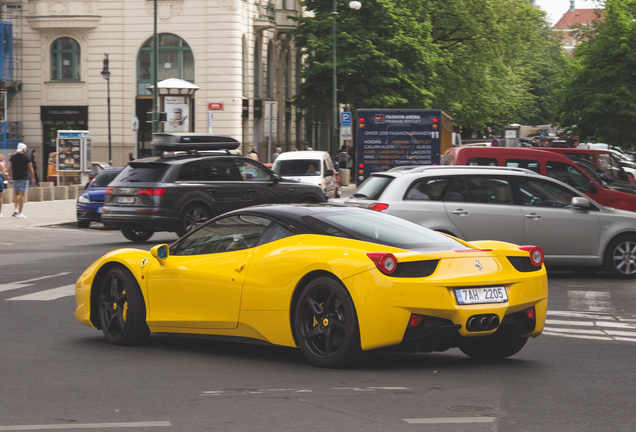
column 315, row 167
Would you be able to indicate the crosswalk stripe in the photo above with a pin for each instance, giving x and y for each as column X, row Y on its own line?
column 26, row 283
column 52, row 294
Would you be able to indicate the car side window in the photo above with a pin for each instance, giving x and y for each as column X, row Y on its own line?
column 482, row 161
column 524, row 163
column 539, row 193
column 488, row 190
column 427, row 189
column 568, row 175
column 251, row 172
column 228, row 234
column 209, row 170
column 457, row 191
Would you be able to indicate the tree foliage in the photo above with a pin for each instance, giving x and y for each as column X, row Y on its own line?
column 485, row 62
column 599, row 100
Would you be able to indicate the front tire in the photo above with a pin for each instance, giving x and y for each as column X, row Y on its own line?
column 122, row 311
column 83, row 223
column 620, row 257
column 496, row 346
column 326, row 324
column 193, row 216
column 137, row 236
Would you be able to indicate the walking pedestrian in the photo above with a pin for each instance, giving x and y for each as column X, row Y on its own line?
column 3, row 178
column 20, row 171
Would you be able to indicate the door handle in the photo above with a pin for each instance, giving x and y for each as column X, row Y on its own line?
column 210, row 190
column 460, row 212
column 533, row 216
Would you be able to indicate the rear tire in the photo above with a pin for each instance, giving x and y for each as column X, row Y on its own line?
column 326, row 324
column 193, row 216
column 137, row 236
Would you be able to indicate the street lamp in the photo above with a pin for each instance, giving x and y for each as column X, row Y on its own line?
column 106, row 76
column 355, row 5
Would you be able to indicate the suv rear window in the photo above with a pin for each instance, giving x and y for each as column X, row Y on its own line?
column 146, row 172
column 373, row 187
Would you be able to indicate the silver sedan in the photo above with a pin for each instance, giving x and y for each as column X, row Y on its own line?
column 508, row 204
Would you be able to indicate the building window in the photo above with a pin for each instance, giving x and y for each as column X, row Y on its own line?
column 244, row 67
column 65, row 60
column 175, row 61
column 269, row 80
column 257, row 69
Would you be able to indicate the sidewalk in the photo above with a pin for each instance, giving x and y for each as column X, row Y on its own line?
column 57, row 212
column 41, row 213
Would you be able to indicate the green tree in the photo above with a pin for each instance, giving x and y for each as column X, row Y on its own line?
column 487, row 63
column 599, row 101
column 501, row 62
column 384, row 56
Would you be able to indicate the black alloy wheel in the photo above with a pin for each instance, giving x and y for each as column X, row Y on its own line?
column 326, row 324
column 137, row 236
column 122, row 312
column 193, row 216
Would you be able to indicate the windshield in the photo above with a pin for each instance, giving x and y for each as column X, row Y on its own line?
column 373, row 187
column 298, row 167
column 146, row 172
column 383, row 229
column 104, row 179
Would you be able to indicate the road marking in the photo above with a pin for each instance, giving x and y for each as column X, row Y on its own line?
column 443, row 420
column 52, row 294
column 593, row 326
column 86, row 426
column 590, row 300
column 26, row 283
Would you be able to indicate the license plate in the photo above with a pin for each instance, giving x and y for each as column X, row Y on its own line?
column 481, row 295
column 125, row 200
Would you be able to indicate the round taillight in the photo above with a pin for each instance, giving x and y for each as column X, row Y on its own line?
column 385, row 262
column 536, row 254
column 378, row 206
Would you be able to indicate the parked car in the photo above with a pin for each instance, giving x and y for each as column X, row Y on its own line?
column 89, row 203
column 334, row 281
column 196, row 178
column 604, row 159
column 603, row 179
column 544, row 162
column 297, row 165
column 508, row 204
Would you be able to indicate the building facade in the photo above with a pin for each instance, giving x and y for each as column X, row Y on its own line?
column 237, row 52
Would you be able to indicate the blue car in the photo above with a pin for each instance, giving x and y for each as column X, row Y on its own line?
column 90, row 203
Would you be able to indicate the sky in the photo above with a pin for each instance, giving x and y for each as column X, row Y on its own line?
column 556, row 8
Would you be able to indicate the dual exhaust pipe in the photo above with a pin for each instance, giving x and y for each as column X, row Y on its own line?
column 477, row 323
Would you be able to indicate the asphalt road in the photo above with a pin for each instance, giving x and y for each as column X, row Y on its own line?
column 56, row 374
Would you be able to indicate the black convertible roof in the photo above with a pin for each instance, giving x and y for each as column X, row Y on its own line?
column 188, row 141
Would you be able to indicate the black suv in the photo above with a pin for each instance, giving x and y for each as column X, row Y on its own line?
column 195, row 178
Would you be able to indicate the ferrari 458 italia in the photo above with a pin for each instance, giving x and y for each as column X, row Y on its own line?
column 331, row 280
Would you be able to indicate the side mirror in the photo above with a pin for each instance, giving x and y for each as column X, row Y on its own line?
column 160, row 252
column 581, row 202
column 329, row 173
column 87, row 185
column 276, row 177
column 592, row 188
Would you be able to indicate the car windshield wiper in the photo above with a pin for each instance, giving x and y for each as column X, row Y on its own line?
column 360, row 195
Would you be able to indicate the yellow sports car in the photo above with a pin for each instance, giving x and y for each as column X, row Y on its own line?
column 334, row 281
